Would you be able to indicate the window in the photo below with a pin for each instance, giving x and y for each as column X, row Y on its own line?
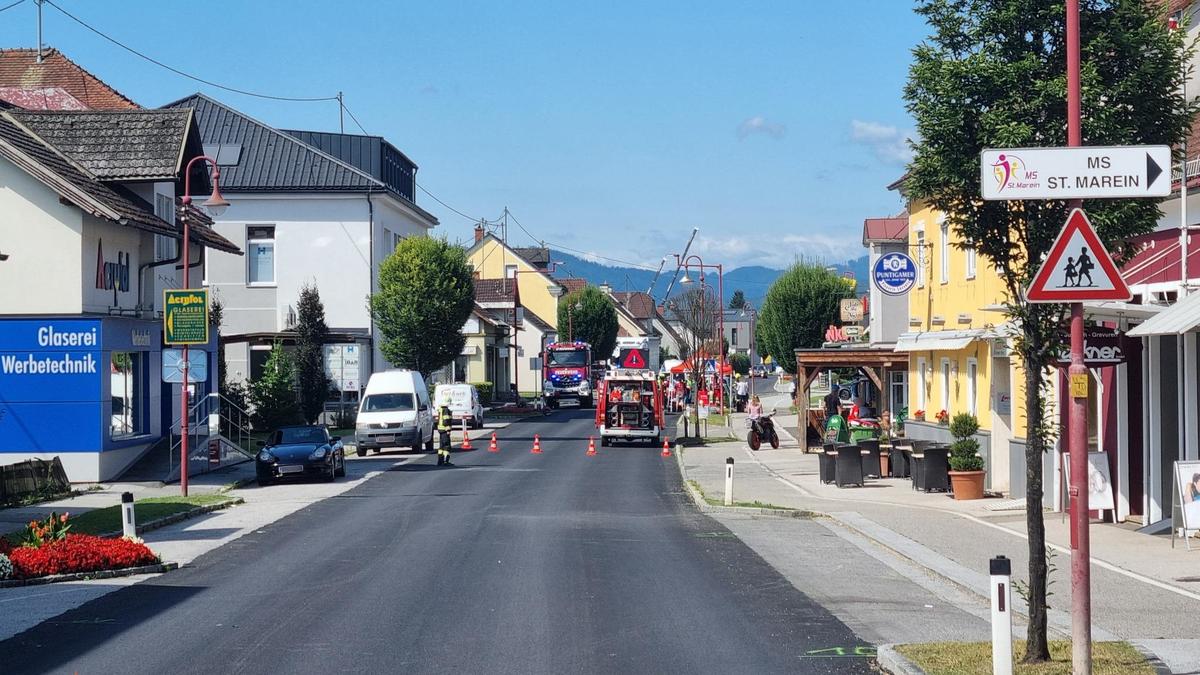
column 388, row 402
column 970, row 256
column 733, row 343
column 164, row 247
column 921, row 259
column 972, row 386
column 510, row 271
column 260, row 255
column 922, row 383
column 945, row 248
column 899, row 392
column 396, row 239
column 128, row 417
column 946, row 384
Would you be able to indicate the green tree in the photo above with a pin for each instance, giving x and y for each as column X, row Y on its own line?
column 696, row 311
column 740, row 363
column 993, row 74
column 738, row 300
column 216, row 316
column 273, row 394
column 311, row 333
column 799, row 306
column 425, row 296
column 590, row 314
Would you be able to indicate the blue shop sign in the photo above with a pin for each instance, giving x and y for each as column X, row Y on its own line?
column 894, row 273
column 51, row 376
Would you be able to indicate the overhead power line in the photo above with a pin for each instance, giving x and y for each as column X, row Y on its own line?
column 12, row 5
column 177, row 71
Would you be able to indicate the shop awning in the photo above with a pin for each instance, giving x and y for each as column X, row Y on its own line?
column 940, row 340
column 1180, row 318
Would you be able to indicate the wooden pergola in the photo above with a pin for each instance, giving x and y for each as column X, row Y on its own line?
column 870, row 361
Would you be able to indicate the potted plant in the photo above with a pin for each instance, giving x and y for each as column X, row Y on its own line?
column 966, row 466
column 919, row 415
column 943, row 418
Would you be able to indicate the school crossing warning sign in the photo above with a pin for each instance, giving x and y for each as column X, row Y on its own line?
column 1078, row 267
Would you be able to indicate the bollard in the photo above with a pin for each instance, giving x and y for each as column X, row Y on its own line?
column 128, row 522
column 728, row 481
column 1001, row 592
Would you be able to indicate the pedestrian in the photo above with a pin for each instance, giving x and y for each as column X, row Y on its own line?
column 832, row 402
column 445, row 420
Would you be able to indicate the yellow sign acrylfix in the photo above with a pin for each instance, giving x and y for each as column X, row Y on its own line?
column 185, row 316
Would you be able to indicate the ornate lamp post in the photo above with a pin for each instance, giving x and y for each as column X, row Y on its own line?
column 216, row 205
column 699, row 263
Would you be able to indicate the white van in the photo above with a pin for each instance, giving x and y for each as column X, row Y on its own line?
column 394, row 412
column 463, row 400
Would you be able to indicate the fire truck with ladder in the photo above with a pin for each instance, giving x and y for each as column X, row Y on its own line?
column 630, row 398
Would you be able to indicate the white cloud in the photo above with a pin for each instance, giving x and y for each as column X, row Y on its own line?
column 889, row 143
column 760, row 125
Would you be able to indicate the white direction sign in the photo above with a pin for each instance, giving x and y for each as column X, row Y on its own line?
column 1076, row 173
column 343, row 367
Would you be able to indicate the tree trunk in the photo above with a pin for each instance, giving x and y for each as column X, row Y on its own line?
column 1036, row 646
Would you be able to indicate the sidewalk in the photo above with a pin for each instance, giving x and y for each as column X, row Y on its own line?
column 1142, row 589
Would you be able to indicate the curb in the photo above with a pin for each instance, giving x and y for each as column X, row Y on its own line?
column 87, row 576
column 1152, row 659
column 892, row 661
column 180, row 517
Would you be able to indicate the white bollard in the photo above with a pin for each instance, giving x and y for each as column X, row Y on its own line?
column 1001, row 592
column 728, row 481
column 128, row 522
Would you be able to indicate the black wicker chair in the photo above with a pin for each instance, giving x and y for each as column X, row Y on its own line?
column 871, row 464
column 898, row 459
column 827, row 461
column 936, row 469
column 849, row 469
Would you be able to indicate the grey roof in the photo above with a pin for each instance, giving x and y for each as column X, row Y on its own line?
column 270, row 160
column 537, row 256
column 125, row 145
column 63, row 174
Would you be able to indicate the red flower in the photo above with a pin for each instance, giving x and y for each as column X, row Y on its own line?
column 79, row 553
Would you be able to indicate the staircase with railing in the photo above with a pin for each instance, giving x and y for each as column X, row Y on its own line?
column 218, row 436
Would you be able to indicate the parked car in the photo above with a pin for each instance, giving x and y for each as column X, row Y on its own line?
column 394, row 412
column 758, row 371
column 300, row 452
column 463, row 400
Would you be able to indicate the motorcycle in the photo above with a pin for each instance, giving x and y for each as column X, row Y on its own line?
column 762, row 429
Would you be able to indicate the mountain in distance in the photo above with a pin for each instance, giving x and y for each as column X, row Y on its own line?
column 752, row 280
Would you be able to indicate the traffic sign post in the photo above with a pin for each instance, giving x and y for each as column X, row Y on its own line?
column 1093, row 172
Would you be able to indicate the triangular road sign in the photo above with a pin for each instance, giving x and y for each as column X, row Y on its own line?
column 634, row 360
column 1078, row 267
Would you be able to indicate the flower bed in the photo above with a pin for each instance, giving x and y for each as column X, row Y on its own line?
column 47, row 548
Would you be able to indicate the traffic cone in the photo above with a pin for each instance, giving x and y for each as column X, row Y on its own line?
column 537, row 445
column 666, row 451
column 492, row 447
column 591, row 447
column 466, row 444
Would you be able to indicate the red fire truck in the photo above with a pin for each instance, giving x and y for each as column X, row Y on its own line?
column 566, row 373
column 630, row 403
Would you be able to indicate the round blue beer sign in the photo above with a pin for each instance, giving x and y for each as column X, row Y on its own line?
column 894, row 273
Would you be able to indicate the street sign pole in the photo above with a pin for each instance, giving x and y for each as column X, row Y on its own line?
column 183, row 388
column 1081, row 582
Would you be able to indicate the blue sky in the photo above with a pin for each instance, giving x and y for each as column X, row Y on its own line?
column 611, row 128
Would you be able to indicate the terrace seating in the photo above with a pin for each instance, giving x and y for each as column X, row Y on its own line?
column 898, row 462
column 849, row 467
column 827, row 461
column 932, row 472
column 870, row 458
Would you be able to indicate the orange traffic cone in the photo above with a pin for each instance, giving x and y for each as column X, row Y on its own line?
column 537, row 445
column 492, row 447
column 666, row 451
column 591, row 447
column 466, row 444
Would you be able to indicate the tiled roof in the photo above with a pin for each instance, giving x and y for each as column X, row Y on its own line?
column 534, row 255
column 572, row 284
column 117, row 145
column 885, row 229
column 495, row 290
column 536, row 322
column 19, row 68
column 269, row 160
column 41, row 98
column 639, row 305
column 74, row 184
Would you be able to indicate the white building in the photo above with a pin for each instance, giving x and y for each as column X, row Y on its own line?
column 308, row 207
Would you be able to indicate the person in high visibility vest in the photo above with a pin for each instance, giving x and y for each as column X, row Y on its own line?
column 445, row 420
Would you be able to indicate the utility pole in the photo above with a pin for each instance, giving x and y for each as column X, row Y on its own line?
column 675, row 276
column 341, row 114
column 1081, row 581
column 39, row 29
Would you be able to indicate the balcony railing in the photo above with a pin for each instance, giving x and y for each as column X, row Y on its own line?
column 1193, row 170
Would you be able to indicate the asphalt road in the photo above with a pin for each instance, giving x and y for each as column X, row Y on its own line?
column 508, row 563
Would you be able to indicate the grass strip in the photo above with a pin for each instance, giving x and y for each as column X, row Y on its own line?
column 108, row 519
column 971, row 658
column 750, row 505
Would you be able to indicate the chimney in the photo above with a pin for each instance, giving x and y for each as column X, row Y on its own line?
column 605, row 288
column 478, row 233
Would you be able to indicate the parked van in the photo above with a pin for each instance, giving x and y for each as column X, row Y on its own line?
column 463, row 400
column 394, row 412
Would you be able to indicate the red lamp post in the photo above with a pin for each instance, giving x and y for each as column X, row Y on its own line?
column 215, row 205
column 687, row 264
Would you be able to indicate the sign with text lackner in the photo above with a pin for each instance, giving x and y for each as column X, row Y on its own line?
column 50, row 385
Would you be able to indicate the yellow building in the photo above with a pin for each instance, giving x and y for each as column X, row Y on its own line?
column 959, row 349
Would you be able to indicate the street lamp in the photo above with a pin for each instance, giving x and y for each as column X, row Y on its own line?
column 215, row 205
column 748, row 308
column 571, row 320
column 687, row 264
column 550, row 269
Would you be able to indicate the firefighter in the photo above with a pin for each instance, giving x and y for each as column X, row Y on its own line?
column 445, row 419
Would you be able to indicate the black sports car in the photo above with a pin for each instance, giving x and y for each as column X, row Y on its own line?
column 300, row 452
